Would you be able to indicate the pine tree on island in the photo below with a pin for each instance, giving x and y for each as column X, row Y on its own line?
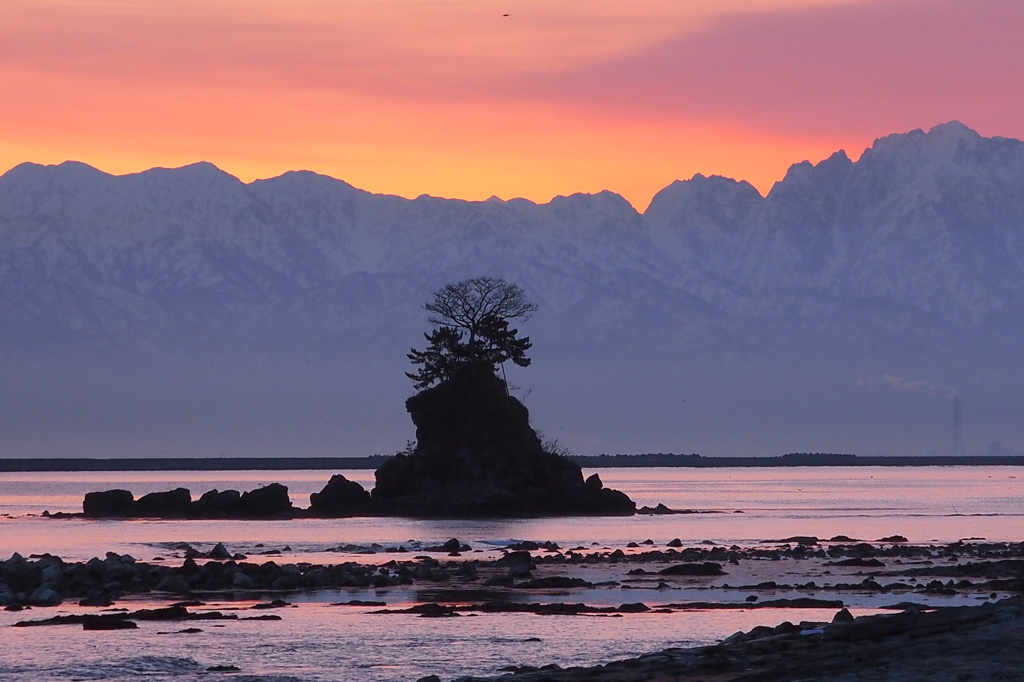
column 471, row 322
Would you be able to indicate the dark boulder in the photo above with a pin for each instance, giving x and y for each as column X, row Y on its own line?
column 108, row 623
column 108, row 503
column 171, row 504
column 477, row 456
column 340, row 497
column 707, row 568
column 554, row 582
column 452, row 545
column 270, row 501
column 843, row 616
column 217, row 504
column 45, row 596
column 219, row 552
column 96, row 598
column 858, row 561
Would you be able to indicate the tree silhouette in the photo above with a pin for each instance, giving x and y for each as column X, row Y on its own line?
column 472, row 324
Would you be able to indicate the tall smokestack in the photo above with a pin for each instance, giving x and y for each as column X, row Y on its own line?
column 958, row 429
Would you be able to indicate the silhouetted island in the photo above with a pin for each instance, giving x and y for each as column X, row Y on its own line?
column 477, row 455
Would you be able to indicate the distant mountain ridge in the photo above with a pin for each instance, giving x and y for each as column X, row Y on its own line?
column 925, row 229
column 910, row 258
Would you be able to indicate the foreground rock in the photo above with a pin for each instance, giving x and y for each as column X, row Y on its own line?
column 432, row 609
column 340, row 497
column 125, row 620
column 966, row 643
column 983, row 570
column 477, row 456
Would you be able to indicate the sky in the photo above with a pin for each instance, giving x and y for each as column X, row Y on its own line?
column 514, row 98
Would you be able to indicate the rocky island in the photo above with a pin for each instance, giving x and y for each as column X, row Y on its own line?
column 476, row 455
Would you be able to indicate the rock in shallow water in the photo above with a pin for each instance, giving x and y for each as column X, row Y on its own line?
column 219, row 552
column 268, row 502
column 477, row 456
column 340, row 497
column 108, row 503
column 105, row 623
column 707, row 568
column 170, row 504
column 45, row 596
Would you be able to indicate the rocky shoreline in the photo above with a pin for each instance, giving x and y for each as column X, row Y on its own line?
column 930, row 637
column 965, row 643
column 888, row 566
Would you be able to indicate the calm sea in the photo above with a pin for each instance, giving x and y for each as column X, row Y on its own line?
column 319, row 642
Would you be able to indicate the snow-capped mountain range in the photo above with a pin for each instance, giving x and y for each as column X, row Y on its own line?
column 909, row 261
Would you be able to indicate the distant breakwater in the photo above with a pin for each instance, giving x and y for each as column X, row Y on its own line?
column 595, row 461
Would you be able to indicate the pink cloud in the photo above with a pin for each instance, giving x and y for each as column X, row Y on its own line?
column 868, row 68
column 862, row 68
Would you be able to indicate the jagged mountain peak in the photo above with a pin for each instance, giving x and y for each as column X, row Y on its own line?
column 185, row 178
column 299, row 179
column 715, row 202
column 28, row 174
column 78, row 169
column 700, row 182
column 828, row 170
column 196, row 167
column 715, row 189
column 941, row 144
column 953, row 128
column 605, row 198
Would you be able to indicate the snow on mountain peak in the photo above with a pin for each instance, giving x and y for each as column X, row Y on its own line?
column 892, row 227
column 940, row 144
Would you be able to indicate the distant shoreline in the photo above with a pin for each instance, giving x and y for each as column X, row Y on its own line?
column 593, row 462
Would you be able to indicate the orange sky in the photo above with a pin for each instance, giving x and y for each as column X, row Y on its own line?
column 452, row 98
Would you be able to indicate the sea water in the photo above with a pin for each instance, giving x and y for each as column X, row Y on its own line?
column 317, row 641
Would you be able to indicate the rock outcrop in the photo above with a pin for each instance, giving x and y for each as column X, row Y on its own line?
column 268, row 502
column 216, row 503
column 108, row 503
column 477, row 456
column 340, row 497
column 171, row 504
